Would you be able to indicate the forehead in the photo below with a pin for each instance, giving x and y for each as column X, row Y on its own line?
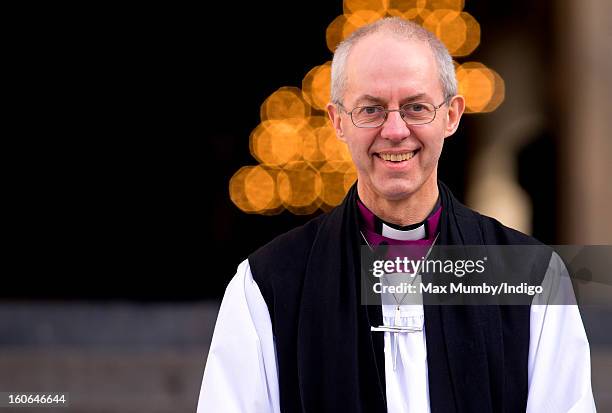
column 392, row 69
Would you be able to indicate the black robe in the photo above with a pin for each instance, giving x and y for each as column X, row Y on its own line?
column 330, row 361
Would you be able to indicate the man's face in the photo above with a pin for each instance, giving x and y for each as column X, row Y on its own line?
column 384, row 70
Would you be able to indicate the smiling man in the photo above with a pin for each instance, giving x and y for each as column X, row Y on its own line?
column 396, row 152
column 292, row 334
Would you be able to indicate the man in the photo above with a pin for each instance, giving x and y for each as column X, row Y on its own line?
column 292, row 334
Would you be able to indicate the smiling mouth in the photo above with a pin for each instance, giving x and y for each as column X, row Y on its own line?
column 397, row 157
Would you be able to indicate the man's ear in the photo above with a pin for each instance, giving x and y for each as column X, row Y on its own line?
column 334, row 115
column 456, row 106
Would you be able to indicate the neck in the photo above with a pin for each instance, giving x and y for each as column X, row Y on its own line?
column 406, row 211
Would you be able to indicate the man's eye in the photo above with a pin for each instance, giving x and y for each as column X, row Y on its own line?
column 370, row 110
column 418, row 109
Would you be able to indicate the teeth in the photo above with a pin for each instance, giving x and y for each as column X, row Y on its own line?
column 396, row 157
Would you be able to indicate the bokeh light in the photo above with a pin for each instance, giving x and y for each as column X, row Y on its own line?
column 318, row 121
column 299, row 188
column 358, row 19
column 499, row 92
column 316, row 86
column 285, row 103
column 350, row 176
column 333, row 33
column 253, row 190
column 312, row 151
column 459, row 31
column 472, row 35
column 332, row 148
column 456, row 5
column 277, row 142
column 408, row 9
column 332, row 176
column 353, row 6
column 483, row 88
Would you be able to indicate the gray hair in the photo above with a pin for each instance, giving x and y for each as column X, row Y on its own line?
column 406, row 30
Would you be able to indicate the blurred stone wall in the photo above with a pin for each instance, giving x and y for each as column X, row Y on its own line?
column 109, row 357
column 128, row 358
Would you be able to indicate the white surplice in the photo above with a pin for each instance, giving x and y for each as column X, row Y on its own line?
column 241, row 370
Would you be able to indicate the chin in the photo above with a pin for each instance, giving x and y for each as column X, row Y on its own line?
column 395, row 191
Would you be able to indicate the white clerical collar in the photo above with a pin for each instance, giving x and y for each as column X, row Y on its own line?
column 412, row 232
column 404, row 235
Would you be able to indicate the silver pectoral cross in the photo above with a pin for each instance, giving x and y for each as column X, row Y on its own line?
column 396, row 329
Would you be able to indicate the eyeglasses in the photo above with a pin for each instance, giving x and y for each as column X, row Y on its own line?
column 419, row 113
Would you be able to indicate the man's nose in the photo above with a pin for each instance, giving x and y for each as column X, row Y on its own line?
column 394, row 127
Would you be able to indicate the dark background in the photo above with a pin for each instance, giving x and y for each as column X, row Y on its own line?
column 121, row 189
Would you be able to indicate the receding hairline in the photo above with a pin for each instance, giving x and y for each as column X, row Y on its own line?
column 395, row 36
column 404, row 31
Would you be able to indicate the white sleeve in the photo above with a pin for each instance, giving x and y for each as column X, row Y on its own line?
column 241, row 373
column 559, row 369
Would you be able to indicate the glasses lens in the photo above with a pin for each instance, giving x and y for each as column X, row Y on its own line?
column 368, row 116
column 418, row 113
